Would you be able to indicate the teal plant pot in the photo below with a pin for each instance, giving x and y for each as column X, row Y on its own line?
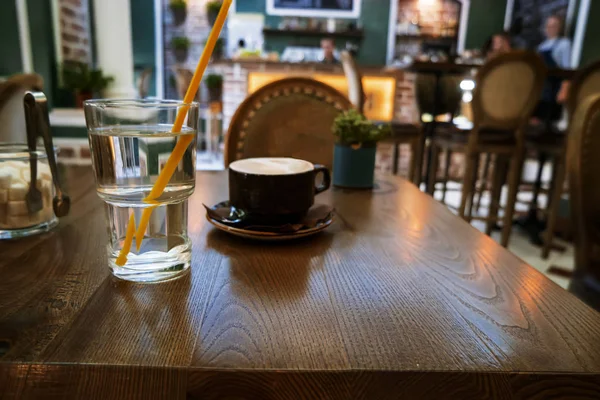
column 354, row 168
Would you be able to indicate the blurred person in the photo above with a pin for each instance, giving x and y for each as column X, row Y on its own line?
column 499, row 43
column 328, row 47
column 556, row 52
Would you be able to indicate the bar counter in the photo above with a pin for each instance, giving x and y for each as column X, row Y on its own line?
column 390, row 94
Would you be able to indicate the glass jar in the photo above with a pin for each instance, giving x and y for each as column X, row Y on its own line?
column 16, row 219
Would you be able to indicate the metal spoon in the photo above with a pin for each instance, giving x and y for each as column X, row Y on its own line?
column 34, row 196
column 37, row 101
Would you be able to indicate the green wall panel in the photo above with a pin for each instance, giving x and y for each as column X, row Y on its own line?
column 42, row 44
column 486, row 17
column 591, row 43
column 144, row 39
column 374, row 18
column 69, row 132
column 10, row 50
column 255, row 6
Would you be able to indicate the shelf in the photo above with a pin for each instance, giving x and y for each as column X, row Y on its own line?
column 425, row 37
column 357, row 34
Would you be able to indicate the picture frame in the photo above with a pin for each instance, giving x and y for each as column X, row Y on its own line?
column 315, row 8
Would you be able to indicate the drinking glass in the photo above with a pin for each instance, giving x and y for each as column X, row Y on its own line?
column 130, row 143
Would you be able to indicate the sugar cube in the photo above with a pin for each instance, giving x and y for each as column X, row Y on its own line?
column 17, row 208
column 17, row 191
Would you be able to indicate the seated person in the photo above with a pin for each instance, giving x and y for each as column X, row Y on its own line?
column 556, row 52
column 328, row 47
column 499, row 43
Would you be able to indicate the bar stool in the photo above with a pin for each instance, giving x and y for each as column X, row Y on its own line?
column 507, row 89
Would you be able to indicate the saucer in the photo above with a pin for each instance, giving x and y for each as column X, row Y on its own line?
column 264, row 234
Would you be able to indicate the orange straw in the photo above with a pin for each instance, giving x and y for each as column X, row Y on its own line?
column 122, row 259
column 182, row 144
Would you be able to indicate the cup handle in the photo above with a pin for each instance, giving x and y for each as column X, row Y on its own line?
column 326, row 178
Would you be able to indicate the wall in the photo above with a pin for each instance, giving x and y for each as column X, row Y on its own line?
column 374, row 18
column 196, row 29
column 143, row 37
column 591, row 43
column 486, row 17
column 75, row 37
column 10, row 50
column 42, row 44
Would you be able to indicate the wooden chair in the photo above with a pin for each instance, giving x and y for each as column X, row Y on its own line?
column 143, row 83
column 583, row 157
column 448, row 103
column 12, row 114
column 183, row 77
column 356, row 92
column 402, row 133
column 507, row 89
column 585, row 83
column 291, row 117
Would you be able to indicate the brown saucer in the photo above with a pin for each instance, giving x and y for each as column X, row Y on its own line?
column 265, row 234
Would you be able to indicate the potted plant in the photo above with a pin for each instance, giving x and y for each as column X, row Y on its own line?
column 355, row 148
column 214, row 84
column 84, row 81
column 212, row 10
column 179, row 11
column 180, row 47
column 219, row 47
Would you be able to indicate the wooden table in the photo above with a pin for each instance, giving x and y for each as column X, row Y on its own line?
column 398, row 299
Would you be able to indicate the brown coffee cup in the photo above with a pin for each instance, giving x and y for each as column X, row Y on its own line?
column 275, row 190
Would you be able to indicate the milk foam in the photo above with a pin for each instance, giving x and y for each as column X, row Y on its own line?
column 271, row 166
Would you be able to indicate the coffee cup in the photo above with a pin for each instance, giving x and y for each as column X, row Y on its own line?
column 275, row 190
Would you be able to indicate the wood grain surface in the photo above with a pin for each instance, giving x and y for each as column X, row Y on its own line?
column 399, row 298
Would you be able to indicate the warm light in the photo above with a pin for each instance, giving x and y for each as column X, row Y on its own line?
column 467, row 97
column 467, row 84
column 427, row 2
column 379, row 90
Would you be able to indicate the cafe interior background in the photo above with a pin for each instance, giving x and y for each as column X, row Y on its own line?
column 150, row 47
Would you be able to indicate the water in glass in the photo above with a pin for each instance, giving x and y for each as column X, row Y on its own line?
column 127, row 160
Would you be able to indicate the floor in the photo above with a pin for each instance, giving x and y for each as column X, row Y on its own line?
column 209, row 161
column 519, row 243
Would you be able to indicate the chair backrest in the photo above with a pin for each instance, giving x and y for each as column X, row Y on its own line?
column 12, row 114
column 507, row 89
column 292, row 117
column 143, row 83
column 356, row 92
column 585, row 82
column 183, row 77
column 583, row 163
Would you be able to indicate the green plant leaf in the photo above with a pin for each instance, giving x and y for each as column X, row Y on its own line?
column 214, row 6
column 178, row 4
column 80, row 77
column 213, row 81
column 351, row 128
column 180, row 43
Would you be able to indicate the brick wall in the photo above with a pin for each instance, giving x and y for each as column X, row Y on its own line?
column 75, row 30
column 196, row 29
